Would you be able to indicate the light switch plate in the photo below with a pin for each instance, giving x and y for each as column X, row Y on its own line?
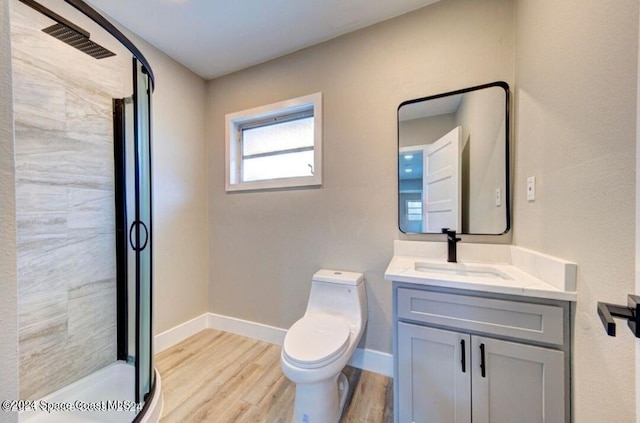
column 531, row 188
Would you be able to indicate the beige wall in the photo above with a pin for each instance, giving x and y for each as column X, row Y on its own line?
column 265, row 246
column 8, row 266
column 576, row 68
column 180, row 193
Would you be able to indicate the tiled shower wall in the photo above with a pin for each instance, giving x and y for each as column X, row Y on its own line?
column 65, row 205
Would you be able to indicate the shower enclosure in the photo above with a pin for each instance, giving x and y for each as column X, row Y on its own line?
column 82, row 110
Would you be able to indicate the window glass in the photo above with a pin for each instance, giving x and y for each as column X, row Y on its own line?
column 414, row 210
column 275, row 146
column 278, row 137
column 288, row 165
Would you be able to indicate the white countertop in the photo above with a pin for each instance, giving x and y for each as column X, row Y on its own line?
column 516, row 271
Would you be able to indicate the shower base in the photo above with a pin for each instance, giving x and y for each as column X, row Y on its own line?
column 108, row 388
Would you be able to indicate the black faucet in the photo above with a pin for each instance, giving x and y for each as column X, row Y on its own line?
column 451, row 245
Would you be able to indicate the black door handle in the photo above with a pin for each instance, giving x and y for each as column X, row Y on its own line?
column 464, row 356
column 482, row 362
column 146, row 236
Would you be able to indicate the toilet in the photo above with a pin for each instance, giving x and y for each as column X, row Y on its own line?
column 319, row 345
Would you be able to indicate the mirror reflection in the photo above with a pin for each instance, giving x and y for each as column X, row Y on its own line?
column 453, row 162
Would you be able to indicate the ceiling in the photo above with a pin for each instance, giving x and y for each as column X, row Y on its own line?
column 215, row 37
column 428, row 108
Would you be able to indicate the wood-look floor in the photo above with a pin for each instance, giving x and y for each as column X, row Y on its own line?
column 219, row 377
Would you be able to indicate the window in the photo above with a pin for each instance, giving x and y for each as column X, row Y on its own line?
column 414, row 210
column 275, row 146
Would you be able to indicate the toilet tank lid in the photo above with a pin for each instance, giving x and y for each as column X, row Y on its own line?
column 338, row 276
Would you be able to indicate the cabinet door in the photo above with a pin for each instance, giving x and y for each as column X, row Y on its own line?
column 520, row 383
column 434, row 375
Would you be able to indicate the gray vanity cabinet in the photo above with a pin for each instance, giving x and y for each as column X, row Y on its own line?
column 434, row 386
column 465, row 356
column 522, row 383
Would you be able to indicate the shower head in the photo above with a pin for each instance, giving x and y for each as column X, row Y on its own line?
column 70, row 33
column 78, row 39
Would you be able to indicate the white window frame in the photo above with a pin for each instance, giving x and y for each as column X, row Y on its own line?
column 233, row 160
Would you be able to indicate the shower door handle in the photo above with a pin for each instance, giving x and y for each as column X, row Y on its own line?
column 146, row 235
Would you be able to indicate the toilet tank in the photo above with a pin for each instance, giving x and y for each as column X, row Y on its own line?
column 339, row 293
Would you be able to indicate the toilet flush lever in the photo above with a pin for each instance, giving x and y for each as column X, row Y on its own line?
column 631, row 312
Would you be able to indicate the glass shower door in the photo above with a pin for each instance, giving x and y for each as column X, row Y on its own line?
column 134, row 232
column 140, row 231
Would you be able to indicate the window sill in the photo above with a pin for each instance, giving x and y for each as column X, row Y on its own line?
column 274, row 184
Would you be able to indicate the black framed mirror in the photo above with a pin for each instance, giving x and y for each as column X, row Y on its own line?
column 453, row 162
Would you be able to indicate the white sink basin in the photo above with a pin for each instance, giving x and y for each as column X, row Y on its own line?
column 492, row 268
column 461, row 269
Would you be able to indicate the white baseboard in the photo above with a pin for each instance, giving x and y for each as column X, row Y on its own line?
column 365, row 359
column 253, row 330
column 175, row 335
column 373, row 361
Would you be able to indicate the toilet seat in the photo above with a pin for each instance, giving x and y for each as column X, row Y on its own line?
column 315, row 340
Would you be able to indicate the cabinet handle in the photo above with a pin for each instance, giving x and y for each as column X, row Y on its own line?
column 482, row 363
column 464, row 359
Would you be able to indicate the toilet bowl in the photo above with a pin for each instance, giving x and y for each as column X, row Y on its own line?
column 319, row 345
